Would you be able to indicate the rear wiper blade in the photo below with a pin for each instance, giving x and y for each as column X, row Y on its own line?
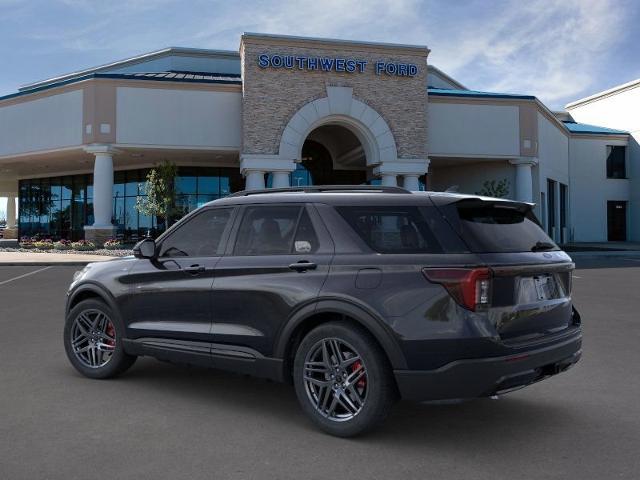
column 539, row 246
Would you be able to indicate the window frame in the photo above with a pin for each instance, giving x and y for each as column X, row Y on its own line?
column 325, row 245
column 224, row 239
column 364, row 245
column 608, row 151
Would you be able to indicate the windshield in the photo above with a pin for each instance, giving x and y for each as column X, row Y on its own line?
column 497, row 227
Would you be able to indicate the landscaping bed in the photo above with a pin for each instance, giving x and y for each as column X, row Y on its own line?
column 111, row 248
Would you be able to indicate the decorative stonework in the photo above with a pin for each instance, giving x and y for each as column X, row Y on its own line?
column 10, row 233
column 393, row 107
column 98, row 235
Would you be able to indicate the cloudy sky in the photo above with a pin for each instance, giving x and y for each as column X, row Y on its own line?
column 558, row 50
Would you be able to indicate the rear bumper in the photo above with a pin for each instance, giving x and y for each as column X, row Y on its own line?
column 481, row 377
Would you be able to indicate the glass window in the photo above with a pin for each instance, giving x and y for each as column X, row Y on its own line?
column 551, row 204
column 200, row 236
column 306, row 240
column 616, row 161
column 186, row 183
column 267, row 230
column 119, row 179
column 401, row 229
column 67, row 188
column 131, row 185
column 208, row 184
column 130, row 217
column 489, row 227
column 301, row 177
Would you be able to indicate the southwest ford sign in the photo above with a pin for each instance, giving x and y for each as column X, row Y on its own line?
column 331, row 64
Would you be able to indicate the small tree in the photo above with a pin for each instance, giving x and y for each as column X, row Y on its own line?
column 160, row 199
column 491, row 188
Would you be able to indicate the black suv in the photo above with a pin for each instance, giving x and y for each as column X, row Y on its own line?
column 356, row 295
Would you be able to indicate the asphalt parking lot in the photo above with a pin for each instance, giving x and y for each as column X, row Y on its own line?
column 164, row 421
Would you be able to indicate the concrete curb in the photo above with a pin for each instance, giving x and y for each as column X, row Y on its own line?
column 613, row 253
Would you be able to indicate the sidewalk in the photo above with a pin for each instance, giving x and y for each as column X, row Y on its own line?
column 32, row 258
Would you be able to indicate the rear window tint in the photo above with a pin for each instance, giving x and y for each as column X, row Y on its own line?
column 496, row 227
column 401, row 229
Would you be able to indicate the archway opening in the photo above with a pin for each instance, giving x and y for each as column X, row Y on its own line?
column 332, row 155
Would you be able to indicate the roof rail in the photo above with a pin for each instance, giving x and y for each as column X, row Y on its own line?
column 323, row 189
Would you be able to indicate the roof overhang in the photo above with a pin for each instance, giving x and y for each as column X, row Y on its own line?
column 605, row 93
column 145, row 57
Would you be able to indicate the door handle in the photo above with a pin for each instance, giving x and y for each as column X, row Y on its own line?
column 303, row 266
column 194, row 269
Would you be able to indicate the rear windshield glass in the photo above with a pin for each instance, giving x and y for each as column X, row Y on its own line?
column 402, row 229
column 489, row 227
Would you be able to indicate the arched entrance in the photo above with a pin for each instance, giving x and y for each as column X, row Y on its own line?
column 337, row 139
column 333, row 154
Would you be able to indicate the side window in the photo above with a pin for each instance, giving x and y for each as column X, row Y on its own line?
column 199, row 237
column 275, row 230
column 393, row 229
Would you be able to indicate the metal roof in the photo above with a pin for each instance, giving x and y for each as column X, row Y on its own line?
column 186, row 77
column 145, row 57
column 176, row 75
column 444, row 92
column 575, row 127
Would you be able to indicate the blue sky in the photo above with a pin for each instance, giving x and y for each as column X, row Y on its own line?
column 557, row 50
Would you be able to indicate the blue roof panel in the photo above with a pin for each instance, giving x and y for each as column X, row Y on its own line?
column 444, row 92
column 575, row 127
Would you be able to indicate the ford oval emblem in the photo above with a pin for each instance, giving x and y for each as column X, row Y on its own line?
column 547, row 255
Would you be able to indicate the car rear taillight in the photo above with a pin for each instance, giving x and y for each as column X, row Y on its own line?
column 470, row 287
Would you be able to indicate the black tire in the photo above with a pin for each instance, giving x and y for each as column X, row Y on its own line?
column 118, row 362
column 380, row 392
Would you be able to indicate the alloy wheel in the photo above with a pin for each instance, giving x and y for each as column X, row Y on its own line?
column 335, row 379
column 93, row 338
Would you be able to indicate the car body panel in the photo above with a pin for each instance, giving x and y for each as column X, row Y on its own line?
column 242, row 313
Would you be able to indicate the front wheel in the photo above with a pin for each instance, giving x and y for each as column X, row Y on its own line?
column 93, row 341
column 343, row 380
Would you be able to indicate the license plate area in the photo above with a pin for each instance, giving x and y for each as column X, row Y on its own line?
column 545, row 287
column 538, row 288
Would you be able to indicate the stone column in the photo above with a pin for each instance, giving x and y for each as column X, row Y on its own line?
column 280, row 179
column 102, row 228
column 11, row 211
column 524, row 178
column 411, row 182
column 389, row 179
column 254, row 179
column 254, row 166
column 410, row 169
column 11, row 232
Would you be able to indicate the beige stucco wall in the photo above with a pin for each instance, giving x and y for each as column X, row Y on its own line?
column 50, row 122
column 272, row 96
column 178, row 117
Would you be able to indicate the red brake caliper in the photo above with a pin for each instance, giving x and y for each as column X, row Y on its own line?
column 354, row 368
column 112, row 333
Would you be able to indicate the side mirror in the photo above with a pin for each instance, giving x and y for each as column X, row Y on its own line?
column 145, row 248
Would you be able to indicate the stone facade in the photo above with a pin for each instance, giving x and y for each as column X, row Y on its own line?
column 272, row 96
column 98, row 235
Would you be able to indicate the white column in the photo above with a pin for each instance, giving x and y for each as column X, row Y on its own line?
column 254, row 179
column 11, row 211
column 280, row 179
column 254, row 166
column 524, row 178
column 103, row 190
column 411, row 182
column 389, row 179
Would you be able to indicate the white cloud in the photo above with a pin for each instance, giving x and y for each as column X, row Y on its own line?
column 553, row 49
column 550, row 49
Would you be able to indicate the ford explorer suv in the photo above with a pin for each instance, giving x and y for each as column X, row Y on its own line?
column 357, row 296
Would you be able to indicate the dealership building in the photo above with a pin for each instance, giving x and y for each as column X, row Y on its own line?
column 75, row 149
